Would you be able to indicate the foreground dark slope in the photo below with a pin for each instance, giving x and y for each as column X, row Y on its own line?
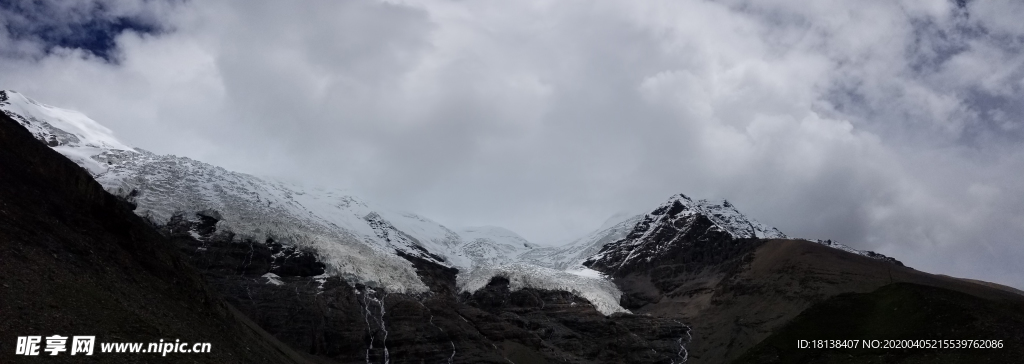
column 74, row 260
column 735, row 293
column 785, row 277
column 899, row 311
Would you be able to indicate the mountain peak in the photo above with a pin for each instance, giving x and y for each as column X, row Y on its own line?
column 679, row 224
column 724, row 215
column 58, row 127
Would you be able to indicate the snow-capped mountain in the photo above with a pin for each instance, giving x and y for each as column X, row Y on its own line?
column 676, row 224
column 364, row 243
column 724, row 215
column 356, row 240
column 681, row 222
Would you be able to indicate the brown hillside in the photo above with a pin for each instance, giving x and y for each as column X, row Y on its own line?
column 734, row 305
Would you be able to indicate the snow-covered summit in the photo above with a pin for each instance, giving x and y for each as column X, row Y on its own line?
column 58, row 127
column 678, row 224
column 71, row 133
column 725, row 216
column 683, row 223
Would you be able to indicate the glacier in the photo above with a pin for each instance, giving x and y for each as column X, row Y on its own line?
column 356, row 240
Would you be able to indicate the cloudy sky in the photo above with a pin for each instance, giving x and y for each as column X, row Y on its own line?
column 895, row 126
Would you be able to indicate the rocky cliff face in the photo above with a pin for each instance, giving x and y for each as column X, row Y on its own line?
column 284, row 289
column 682, row 233
column 695, row 233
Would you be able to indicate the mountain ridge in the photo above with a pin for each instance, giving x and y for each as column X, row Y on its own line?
column 322, row 269
column 355, row 239
column 78, row 261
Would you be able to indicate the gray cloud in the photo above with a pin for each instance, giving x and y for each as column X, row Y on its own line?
column 891, row 126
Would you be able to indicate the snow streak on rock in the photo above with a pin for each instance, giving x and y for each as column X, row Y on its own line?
column 451, row 358
column 866, row 253
column 683, row 354
column 375, row 324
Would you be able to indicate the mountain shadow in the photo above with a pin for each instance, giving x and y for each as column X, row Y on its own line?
column 900, row 311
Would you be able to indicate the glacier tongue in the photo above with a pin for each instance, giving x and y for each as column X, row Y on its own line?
column 601, row 292
column 498, row 252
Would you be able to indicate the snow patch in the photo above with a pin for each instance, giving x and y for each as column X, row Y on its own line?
column 586, row 272
column 273, row 279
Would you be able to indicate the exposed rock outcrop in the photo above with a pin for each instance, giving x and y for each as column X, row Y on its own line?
column 282, row 288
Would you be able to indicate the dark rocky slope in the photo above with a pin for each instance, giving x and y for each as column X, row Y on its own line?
column 339, row 322
column 75, row 260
